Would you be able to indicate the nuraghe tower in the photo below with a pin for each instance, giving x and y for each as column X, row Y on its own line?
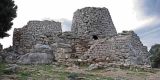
column 93, row 38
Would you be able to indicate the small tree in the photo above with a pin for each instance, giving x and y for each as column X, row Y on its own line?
column 7, row 14
column 155, row 56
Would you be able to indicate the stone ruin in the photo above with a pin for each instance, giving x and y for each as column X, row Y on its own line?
column 92, row 39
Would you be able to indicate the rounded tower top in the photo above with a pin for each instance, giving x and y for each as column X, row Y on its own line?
column 93, row 22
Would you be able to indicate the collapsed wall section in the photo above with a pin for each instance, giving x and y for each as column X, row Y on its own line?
column 125, row 48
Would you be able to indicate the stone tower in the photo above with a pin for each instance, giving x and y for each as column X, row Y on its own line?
column 93, row 23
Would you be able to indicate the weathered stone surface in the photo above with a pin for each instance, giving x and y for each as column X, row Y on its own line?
column 36, row 58
column 41, row 48
column 61, row 45
column 62, row 51
column 92, row 22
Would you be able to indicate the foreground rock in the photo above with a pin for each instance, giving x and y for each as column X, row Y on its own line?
column 12, row 68
column 36, row 58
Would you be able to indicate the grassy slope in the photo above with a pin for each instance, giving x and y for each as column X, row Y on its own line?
column 52, row 72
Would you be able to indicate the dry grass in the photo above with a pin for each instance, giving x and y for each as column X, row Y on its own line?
column 52, row 72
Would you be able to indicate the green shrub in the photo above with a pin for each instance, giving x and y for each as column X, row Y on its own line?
column 155, row 56
column 23, row 75
column 2, row 68
column 72, row 76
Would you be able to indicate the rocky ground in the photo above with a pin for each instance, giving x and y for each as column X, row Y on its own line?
column 62, row 72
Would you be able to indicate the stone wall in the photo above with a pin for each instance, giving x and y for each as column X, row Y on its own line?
column 125, row 48
column 93, row 23
column 75, row 49
column 35, row 32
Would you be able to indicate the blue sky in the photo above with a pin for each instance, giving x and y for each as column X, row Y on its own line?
column 139, row 15
column 149, row 9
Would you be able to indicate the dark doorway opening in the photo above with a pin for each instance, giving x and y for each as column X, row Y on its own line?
column 94, row 37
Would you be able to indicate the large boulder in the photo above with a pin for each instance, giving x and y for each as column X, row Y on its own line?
column 41, row 46
column 36, row 58
column 12, row 68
